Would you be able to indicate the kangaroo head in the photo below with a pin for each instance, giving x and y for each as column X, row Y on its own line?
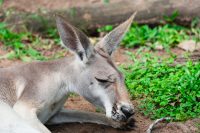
column 99, row 81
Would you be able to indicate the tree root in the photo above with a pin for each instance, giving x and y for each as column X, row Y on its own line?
column 149, row 130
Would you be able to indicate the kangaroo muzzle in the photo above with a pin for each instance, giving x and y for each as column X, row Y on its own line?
column 127, row 111
column 123, row 112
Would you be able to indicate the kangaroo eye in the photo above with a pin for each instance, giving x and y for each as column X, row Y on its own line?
column 102, row 80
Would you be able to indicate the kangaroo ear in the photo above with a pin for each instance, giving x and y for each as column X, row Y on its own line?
column 110, row 42
column 74, row 39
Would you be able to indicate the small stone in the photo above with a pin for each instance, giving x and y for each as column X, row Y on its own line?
column 189, row 45
column 159, row 47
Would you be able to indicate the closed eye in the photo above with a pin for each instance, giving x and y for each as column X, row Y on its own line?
column 102, row 80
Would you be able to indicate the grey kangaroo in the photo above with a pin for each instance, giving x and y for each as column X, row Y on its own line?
column 33, row 94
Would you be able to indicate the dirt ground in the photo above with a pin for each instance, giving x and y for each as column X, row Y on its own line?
column 142, row 123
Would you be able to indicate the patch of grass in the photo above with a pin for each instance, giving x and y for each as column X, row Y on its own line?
column 16, row 42
column 106, row 28
column 106, row 1
column 164, row 90
column 171, row 18
column 168, row 35
column 99, row 110
column 1, row 2
column 27, row 46
column 73, row 94
column 52, row 33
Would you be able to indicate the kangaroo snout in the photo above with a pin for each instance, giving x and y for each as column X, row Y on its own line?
column 127, row 111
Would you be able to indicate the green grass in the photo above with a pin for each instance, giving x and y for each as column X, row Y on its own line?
column 16, row 42
column 1, row 2
column 167, row 36
column 164, row 90
column 26, row 46
column 106, row 28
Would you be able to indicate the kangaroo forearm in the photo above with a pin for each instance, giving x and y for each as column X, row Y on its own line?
column 74, row 116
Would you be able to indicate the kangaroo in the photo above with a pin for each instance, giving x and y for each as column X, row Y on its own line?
column 36, row 92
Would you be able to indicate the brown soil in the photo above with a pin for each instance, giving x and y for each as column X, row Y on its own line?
column 142, row 122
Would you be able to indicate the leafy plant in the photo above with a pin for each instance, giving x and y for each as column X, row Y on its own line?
column 164, row 89
column 106, row 1
column 195, row 22
column 106, row 28
column 73, row 12
column 167, row 36
column 195, row 29
column 172, row 17
column 27, row 46
column 1, row 2
column 16, row 42
column 52, row 34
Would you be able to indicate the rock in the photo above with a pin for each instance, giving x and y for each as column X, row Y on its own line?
column 189, row 45
column 159, row 47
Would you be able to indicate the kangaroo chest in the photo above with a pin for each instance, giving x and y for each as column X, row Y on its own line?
column 51, row 109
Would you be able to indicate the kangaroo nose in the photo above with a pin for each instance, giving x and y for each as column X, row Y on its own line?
column 128, row 111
